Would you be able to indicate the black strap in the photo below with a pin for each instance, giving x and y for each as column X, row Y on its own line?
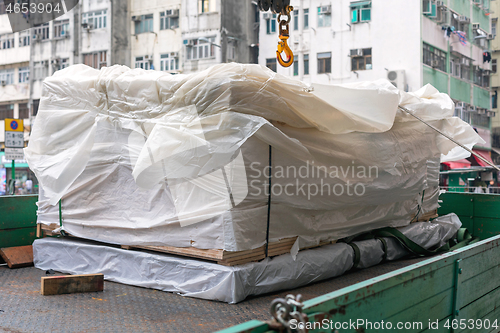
column 269, row 201
column 384, row 246
column 357, row 255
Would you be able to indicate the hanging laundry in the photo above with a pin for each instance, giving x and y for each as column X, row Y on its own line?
column 486, row 56
column 462, row 37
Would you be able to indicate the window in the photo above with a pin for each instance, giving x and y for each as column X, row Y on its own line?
column 40, row 70
column 7, row 76
column 96, row 60
column 36, row 103
column 61, row 28
column 434, row 57
column 143, row 23
column 6, row 41
column 169, row 62
column 271, row 64
column 24, row 111
column 493, row 65
column 306, row 18
column 306, row 64
column 202, row 48
column 231, row 50
column 204, row 6
column 494, row 28
column 6, row 111
column 361, row 11
column 41, row 32
column 60, row 63
column 494, row 100
column 169, row 19
column 142, row 62
column 96, row 19
column 271, row 24
column 24, row 38
column 296, row 65
column 361, row 59
column 481, row 78
column 480, row 120
column 295, row 20
column 24, row 74
column 324, row 16
column 324, row 62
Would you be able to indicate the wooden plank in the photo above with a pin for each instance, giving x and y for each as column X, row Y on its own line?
column 17, row 237
column 69, row 284
column 19, row 256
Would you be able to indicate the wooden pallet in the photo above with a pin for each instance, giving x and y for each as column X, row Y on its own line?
column 427, row 216
column 222, row 257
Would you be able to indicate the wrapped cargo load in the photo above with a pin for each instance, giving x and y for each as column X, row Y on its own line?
column 147, row 158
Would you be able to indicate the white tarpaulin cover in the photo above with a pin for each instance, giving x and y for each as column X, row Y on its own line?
column 201, row 279
column 148, row 158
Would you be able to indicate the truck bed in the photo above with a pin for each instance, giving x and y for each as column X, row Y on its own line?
column 123, row 308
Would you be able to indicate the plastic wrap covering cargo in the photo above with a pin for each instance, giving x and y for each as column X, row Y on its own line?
column 148, row 158
column 197, row 278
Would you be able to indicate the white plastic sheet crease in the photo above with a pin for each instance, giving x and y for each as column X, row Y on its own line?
column 148, row 158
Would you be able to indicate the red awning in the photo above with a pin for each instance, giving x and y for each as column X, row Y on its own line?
column 484, row 154
column 460, row 164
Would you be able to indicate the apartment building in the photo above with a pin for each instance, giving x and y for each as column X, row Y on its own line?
column 411, row 43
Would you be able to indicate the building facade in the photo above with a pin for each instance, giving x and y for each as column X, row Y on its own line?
column 411, row 43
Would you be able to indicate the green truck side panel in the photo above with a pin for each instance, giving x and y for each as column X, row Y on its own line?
column 482, row 98
column 459, row 90
column 421, row 292
column 480, row 213
column 438, row 79
column 462, row 7
column 479, row 17
column 18, row 220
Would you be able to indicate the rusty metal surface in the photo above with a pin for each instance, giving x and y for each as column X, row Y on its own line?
column 122, row 308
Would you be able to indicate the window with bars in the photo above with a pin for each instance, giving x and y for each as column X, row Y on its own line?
column 61, row 28
column 144, row 23
column 41, row 32
column 361, row 11
column 169, row 62
column 306, row 64
column 6, row 111
column 324, row 62
column 24, row 74
column 271, row 64
column 169, row 19
column 6, row 41
column 434, row 57
column 481, row 78
column 361, row 59
column 96, row 59
column 24, row 38
column 6, row 76
column 200, row 48
column 24, row 111
column 96, row 19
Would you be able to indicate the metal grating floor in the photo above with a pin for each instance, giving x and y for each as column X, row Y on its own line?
column 123, row 308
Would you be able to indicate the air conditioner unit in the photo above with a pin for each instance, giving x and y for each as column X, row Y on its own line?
column 267, row 16
column 353, row 53
column 325, row 9
column 471, row 108
column 360, row 52
column 136, row 18
column 397, row 78
column 189, row 42
column 464, row 61
column 461, row 105
column 463, row 19
column 490, row 37
column 434, row 63
column 172, row 12
column 475, row 26
column 174, row 54
column 55, row 61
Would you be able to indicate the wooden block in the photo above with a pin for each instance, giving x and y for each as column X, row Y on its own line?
column 69, row 284
column 39, row 232
column 18, row 256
